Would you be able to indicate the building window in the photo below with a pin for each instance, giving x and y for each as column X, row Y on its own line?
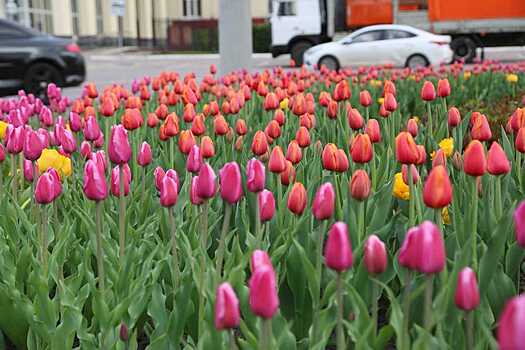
column 100, row 23
column 75, row 18
column 191, row 8
column 35, row 13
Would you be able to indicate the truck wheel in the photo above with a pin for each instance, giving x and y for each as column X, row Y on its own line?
column 329, row 62
column 464, row 49
column 416, row 61
column 298, row 50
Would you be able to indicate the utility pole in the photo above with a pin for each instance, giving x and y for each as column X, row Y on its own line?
column 235, row 35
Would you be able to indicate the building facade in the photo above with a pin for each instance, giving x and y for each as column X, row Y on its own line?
column 145, row 22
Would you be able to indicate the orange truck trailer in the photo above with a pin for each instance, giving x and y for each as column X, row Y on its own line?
column 300, row 24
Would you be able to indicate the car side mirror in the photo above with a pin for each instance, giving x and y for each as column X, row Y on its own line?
column 348, row 42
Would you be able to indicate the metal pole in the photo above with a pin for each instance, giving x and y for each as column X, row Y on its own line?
column 120, row 31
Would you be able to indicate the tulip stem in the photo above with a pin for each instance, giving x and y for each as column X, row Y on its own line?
column 204, row 243
column 470, row 329
column 100, row 261
column 220, row 248
column 405, row 339
column 122, row 215
column 429, row 133
column 176, row 269
column 13, row 178
column 411, row 197
column 428, row 303
column 339, row 331
column 498, row 199
column 258, row 231
column 360, row 222
column 474, row 223
column 43, row 238
column 265, row 341
column 233, row 343
column 172, row 162
column 375, row 295
column 319, row 273
column 143, row 190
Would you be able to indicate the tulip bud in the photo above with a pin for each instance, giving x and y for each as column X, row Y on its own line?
column 95, row 187
column 264, row 300
column 355, row 120
column 205, row 183
column 338, row 249
column 67, row 141
column 198, row 127
column 437, row 191
column 454, row 118
column 115, row 180
column 422, row 155
column 519, row 224
column 467, row 293
column 342, row 91
column 91, row 129
column 497, row 161
column 364, row 98
column 408, row 252
column 75, row 122
column 194, row 160
column 152, row 120
column 100, row 159
column 159, row 174
column 207, row 148
column 373, row 130
column 329, row 157
column 260, row 143
column 288, row 175
column 443, row 89
column 194, row 197
column 303, row 137
column 119, row 149
column 123, row 333
column 98, row 143
column 44, row 189
column 480, row 128
column 144, row 155
column 15, row 137
column 259, row 258
column 231, row 182
column 511, row 326
column 474, row 161
column 412, row 127
column 440, row 158
column 266, row 203
column 324, row 202
column 342, row 161
column 390, row 103
column 227, row 314
column 256, row 176
column 294, row 153
column 406, row 148
column 297, row 199
column 428, row 93
column 431, row 248
column 375, row 255
column 220, row 125
column 168, row 192
column 520, row 140
column 277, row 162
column 361, row 149
column 360, row 185
column 132, row 119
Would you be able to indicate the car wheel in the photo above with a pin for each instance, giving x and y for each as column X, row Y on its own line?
column 464, row 49
column 416, row 61
column 297, row 51
column 329, row 62
column 38, row 76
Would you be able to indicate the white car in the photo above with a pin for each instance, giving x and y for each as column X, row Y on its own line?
column 398, row 45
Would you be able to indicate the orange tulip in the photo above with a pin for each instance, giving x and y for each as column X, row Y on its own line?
column 259, row 143
column 297, row 199
column 207, row 147
column 361, row 149
column 186, row 141
column 360, row 185
column 277, row 162
column 294, row 153
column 406, row 148
column 437, row 191
column 329, row 157
column 474, row 161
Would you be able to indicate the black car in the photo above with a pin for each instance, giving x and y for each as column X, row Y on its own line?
column 30, row 60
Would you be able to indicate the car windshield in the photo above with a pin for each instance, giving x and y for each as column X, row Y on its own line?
column 20, row 28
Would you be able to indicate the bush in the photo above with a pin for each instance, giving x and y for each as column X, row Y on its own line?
column 262, row 37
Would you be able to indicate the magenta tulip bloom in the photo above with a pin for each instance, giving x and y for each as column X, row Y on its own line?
column 44, row 189
column 194, row 161
column 43, row 134
column 2, row 153
column 227, row 312
column 68, row 141
column 144, row 155
column 231, row 182
column 266, row 203
column 519, row 224
column 119, row 149
column 173, row 174
column 467, row 292
column 264, row 300
column 168, row 192
column 375, row 255
column 259, row 258
column 324, row 202
column 32, row 145
column 256, row 175
column 91, row 129
column 100, row 159
column 115, row 180
column 194, row 197
column 205, row 183
column 75, row 122
column 95, row 187
column 15, row 139
column 511, row 325
column 57, row 189
column 430, row 248
column 159, row 174
column 85, row 150
column 408, row 252
column 338, row 249
column 28, row 170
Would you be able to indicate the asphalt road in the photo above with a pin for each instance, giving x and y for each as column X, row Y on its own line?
column 110, row 66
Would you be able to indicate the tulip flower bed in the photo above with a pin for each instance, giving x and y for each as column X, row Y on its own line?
column 368, row 209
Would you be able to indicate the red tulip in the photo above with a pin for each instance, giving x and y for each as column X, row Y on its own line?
column 186, row 141
column 332, row 109
column 390, row 102
column 263, row 297
column 144, row 156
column 338, row 249
column 437, row 191
column 454, row 118
column 259, row 258
column 474, row 161
column 324, row 202
column 266, row 203
column 511, row 326
column 329, row 157
column 467, row 293
column 443, row 89
column 361, row 149
column 231, row 182
column 364, row 98
column 171, row 125
column 373, row 130
column 406, row 148
column 240, row 127
column 227, row 314
column 271, row 102
column 132, row 119
column 428, row 93
column 288, row 175
column 205, row 183
column 520, row 140
column 360, row 185
column 119, row 149
column 159, row 174
column 207, row 148
column 279, row 117
column 303, row 137
column 519, row 224
column 95, row 187
column 115, row 180
column 375, row 255
column 152, row 120
column 168, row 192
column 297, row 199
column 415, row 173
column 497, row 161
column 342, row 91
column 481, row 129
column 412, row 127
column 32, row 145
column 260, row 143
column 440, row 158
column 220, row 125
column 408, row 252
column 422, row 155
column 255, row 175
column 355, row 120
column 277, row 162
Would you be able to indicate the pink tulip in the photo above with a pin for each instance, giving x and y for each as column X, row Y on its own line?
column 511, row 325
column 46, row 117
column 28, row 170
column 2, row 153
column 159, row 174
column 415, row 173
column 324, row 202
column 497, row 161
column 100, row 159
column 44, row 137
column 428, row 92
column 194, row 197
column 467, row 292
column 194, row 161
column 256, row 175
column 231, row 182
column 32, row 145
column 454, row 117
column 99, row 142
column 44, row 189
column 95, row 187
column 85, row 149
column 119, row 149
column 259, row 258
column 375, row 255
column 75, row 122
column 227, row 312
column 430, row 248
column 91, row 129
column 168, row 192
column 264, row 300
column 519, row 224
column 407, row 253
column 15, row 139
column 173, row 174
column 144, row 155
column 115, row 180
column 266, row 203
column 57, row 189
column 338, row 249
column 205, row 183
column 68, row 141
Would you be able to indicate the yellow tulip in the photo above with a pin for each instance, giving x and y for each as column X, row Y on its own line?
column 3, row 128
column 381, row 100
column 466, row 75
column 400, row 189
column 512, row 78
column 447, row 145
column 445, row 216
column 50, row 158
column 284, row 104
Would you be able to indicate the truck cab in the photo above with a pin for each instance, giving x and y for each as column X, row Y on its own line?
column 298, row 25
